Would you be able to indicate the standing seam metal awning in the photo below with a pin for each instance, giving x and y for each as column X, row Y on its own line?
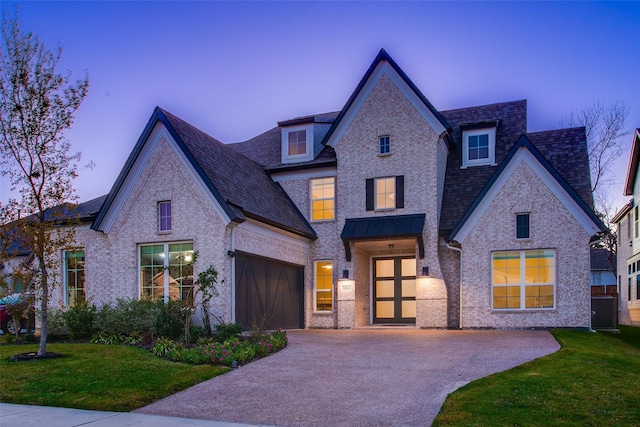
column 383, row 227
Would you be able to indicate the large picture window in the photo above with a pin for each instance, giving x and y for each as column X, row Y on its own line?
column 166, row 270
column 74, row 277
column 523, row 279
column 323, row 199
column 324, row 285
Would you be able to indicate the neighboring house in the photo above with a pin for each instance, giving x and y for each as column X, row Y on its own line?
column 73, row 283
column 386, row 212
column 603, row 278
column 628, row 233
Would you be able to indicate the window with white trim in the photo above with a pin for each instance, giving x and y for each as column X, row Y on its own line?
column 478, row 147
column 636, row 224
column 166, row 270
column 523, row 279
column 297, row 143
column 74, row 277
column 323, row 199
column 164, row 216
column 323, row 285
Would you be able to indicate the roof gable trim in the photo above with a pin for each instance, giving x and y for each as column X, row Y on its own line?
column 384, row 65
column 137, row 162
column 632, row 169
column 525, row 152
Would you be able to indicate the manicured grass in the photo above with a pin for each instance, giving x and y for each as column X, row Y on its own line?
column 94, row 376
column 593, row 380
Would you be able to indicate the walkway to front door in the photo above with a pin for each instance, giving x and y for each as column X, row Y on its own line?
column 356, row 377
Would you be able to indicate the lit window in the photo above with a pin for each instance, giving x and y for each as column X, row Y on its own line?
column 323, row 198
column 297, row 142
column 523, row 279
column 324, row 285
column 384, row 145
column 522, row 226
column 385, row 193
column 164, row 216
column 74, row 277
column 166, row 270
column 478, row 147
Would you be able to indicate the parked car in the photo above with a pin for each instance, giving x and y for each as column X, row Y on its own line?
column 7, row 322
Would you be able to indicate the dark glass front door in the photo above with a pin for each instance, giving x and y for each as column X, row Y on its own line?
column 394, row 290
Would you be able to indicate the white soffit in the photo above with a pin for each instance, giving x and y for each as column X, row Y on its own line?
column 384, row 68
column 525, row 156
column 159, row 131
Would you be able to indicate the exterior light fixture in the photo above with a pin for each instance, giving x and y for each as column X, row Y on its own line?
column 425, row 271
column 231, row 253
column 345, row 274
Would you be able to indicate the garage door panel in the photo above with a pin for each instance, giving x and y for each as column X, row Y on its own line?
column 269, row 289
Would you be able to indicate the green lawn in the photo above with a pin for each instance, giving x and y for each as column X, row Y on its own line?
column 93, row 376
column 593, row 380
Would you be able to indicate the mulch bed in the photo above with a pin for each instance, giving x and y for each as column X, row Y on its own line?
column 33, row 356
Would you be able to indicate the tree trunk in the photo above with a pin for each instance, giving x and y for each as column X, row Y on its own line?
column 42, row 350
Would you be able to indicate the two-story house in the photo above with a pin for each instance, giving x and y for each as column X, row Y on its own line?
column 387, row 212
column 628, row 250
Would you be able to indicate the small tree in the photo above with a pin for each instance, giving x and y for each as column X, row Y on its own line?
column 37, row 105
column 202, row 292
column 606, row 128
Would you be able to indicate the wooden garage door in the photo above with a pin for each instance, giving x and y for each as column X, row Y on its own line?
column 269, row 289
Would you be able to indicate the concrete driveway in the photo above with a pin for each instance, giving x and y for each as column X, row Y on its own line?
column 356, row 377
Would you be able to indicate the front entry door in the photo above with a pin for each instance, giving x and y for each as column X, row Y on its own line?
column 394, row 290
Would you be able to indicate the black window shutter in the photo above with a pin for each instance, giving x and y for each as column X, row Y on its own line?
column 370, row 194
column 399, row 191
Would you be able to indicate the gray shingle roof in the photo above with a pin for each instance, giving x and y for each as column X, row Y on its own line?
column 265, row 149
column 84, row 212
column 600, row 259
column 462, row 186
column 242, row 183
column 565, row 149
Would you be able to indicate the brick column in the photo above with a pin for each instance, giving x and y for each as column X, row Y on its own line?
column 346, row 304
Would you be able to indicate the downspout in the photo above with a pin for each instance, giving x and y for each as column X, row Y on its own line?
column 232, row 253
column 460, row 296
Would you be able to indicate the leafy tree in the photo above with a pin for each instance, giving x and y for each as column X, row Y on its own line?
column 606, row 129
column 37, row 105
column 202, row 292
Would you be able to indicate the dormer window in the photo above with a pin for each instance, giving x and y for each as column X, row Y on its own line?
column 297, row 143
column 478, row 147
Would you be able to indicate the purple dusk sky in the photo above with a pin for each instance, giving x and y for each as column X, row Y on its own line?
column 234, row 69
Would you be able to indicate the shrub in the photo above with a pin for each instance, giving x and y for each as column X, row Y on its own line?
column 80, row 318
column 116, row 338
column 224, row 331
column 56, row 323
column 127, row 316
column 168, row 321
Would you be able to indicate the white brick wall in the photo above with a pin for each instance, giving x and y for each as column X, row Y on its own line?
column 552, row 227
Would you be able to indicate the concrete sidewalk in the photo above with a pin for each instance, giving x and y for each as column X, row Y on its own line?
column 40, row 416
